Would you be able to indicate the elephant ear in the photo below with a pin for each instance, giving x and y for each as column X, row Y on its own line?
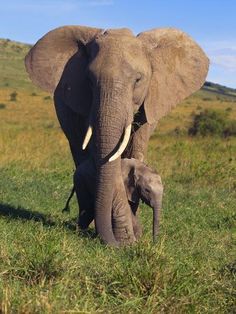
column 179, row 68
column 129, row 178
column 60, row 56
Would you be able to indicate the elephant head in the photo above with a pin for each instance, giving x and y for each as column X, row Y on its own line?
column 108, row 76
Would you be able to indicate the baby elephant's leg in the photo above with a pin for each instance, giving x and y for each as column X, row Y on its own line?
column 138, row 230
column 137, row 227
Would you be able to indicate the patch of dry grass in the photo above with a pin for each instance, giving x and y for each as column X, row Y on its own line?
column 30, row 132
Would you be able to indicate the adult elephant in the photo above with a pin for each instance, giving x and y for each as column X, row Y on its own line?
column 105, row 81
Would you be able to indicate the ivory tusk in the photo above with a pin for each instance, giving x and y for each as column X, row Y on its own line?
column 87, row 137
column 123, row 144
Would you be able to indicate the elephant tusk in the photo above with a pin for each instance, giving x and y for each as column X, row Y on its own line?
column 123, row 144
column 87, row 137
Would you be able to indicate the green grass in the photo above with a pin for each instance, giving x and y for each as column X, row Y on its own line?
column 46, row 266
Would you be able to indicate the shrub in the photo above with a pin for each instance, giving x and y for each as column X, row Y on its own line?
column 230, row 129
column 209, row 122
column 2, row 106
column 208, row 84
column 34, row 94
column 13, row 96
column 47, row 98
column 178, row 131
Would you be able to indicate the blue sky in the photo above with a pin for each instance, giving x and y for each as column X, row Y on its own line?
column 212, row 23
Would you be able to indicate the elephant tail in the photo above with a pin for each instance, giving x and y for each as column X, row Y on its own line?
column 67, row 206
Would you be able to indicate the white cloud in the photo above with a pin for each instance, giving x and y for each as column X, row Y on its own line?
column 226, row 61
column 222, row 53
column 220, row 45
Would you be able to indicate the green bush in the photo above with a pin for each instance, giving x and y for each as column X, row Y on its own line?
column 13, row 96
column 212, row 122
column 47, row 98
column 2, row 106
column 178, row 131
column 230, row 129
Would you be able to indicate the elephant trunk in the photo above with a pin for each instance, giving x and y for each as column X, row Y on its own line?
column 109, row 125
column 103, row 202
column 155, row 227
column 156, row 218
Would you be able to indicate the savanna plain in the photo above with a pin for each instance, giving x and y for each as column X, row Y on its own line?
column 47, row 266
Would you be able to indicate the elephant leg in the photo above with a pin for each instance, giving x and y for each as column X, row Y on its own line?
column 139, row 142
column 137, row 147
column 138, row 230
column 86, row 216
column 85, row 194
column 74, row 127
column 86, row 206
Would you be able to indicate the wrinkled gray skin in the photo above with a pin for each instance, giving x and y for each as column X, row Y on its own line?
column 140, row 181
column 103, row 78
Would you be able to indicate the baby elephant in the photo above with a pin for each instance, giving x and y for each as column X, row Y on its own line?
column 141, row 183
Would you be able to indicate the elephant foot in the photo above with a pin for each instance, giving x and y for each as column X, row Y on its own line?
column 124, row 236
column 86, row 216
column 123, row 231
column 138, row 230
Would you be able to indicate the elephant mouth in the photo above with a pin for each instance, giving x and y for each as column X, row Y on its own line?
column 121, row 147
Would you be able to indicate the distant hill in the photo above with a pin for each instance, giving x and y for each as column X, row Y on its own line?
column 13, row 74
column 12, row 69
column 219, row 89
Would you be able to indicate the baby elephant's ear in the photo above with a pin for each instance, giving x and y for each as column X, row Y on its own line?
column 179, row 68
column 129, row 177
column 46, row 60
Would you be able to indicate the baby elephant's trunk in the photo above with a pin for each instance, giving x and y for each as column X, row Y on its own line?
column 156, row 215
column 155, row 227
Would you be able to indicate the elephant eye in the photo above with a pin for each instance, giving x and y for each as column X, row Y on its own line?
column 138, row 78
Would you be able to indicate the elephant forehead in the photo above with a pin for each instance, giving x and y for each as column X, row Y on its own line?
column 123, row 43
column 119, row 50
column 119, row 31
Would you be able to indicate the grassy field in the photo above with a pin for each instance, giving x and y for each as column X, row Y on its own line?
column 47, row 267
